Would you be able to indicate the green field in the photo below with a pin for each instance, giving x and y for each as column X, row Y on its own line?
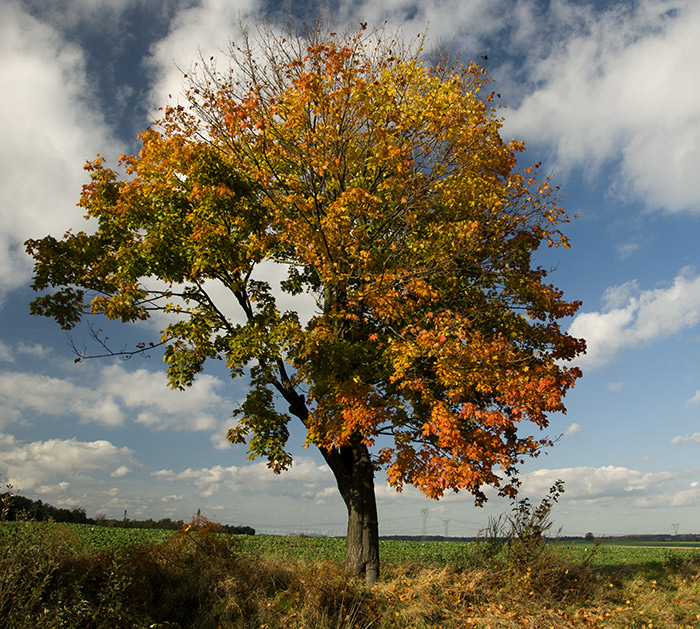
column 609, row 553
column 77, row 575
column 93, row 538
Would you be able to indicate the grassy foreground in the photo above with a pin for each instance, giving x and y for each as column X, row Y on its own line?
column 55, row 575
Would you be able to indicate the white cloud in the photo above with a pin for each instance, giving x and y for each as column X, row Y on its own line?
column 601, row 86
column 613, row 387
column 205, row 29
column 50, row 127
column 625, row 250
column 444, row 20
column 58, row 491
column 146, row 393
column 56, row 463
column 621, row 86
column 693, row 401
column 572, row 430
column 600, row 484
column 305, row 305
column 116, row 394
column 6, row 355
column 305, row 480
column 632, row 317
column 34, row 349
column 678, row 440
column 122, row 470
column 22, row 393
column 686, row 497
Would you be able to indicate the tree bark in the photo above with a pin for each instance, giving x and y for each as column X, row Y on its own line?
column 354, row 474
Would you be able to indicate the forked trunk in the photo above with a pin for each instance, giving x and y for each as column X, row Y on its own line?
column 354, row 474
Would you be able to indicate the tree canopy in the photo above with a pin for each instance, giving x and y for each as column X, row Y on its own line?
column 376, row 182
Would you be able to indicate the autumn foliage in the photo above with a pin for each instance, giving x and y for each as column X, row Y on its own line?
column 375, row 181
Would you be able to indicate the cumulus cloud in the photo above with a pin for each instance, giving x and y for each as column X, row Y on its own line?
column 54, row 464
column 273, row 273
column 621, row 86
column 468, row 23
column 114, row 395
column 122, row 470
column 203, row 30
column 632, row 317
column 50, row 127
column 678, row 440
column 6, row 354
column 693, row 401
column 596, row 86
column 147, row 395
column 208, row 28
column 602, row 484
column 572, row 430
column 33, row 349
column 686, row 497
column 305, row 480
column 24, row 393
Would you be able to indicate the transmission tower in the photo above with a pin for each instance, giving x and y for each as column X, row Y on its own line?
column 675, row 528
column 446, row 524
column 424, row 515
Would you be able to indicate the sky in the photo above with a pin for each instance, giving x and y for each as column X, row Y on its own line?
column 605, row 94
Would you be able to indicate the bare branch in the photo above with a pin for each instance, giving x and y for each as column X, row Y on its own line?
column 142, row 348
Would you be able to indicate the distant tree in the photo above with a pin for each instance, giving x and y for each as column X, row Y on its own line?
column 589, row 537
column 19, row 507
column 378, row 184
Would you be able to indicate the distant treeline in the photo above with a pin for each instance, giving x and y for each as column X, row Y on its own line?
column 682, row 537
column 16, row 507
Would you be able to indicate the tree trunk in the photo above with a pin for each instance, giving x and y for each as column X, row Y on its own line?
column 354, row 473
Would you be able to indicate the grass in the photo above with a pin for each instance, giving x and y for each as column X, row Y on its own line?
column 55, row 575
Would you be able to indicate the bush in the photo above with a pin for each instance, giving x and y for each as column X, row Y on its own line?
column 48, row 580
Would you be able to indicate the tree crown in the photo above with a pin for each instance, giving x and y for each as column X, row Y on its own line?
column 379, row 185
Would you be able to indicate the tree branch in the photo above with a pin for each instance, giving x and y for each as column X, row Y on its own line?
column 124, row 353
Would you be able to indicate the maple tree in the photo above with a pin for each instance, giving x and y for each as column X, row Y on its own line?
column 377, row 182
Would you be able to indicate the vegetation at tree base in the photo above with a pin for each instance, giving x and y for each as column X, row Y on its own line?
column 375, row 181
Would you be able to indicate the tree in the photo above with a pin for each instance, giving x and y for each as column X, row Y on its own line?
column 378, row 184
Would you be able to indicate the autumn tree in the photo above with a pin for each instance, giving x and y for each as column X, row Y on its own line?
column 374, row 181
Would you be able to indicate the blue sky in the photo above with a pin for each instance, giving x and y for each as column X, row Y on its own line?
column 606, row 94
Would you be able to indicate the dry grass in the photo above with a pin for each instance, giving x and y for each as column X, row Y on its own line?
column 199, row 579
